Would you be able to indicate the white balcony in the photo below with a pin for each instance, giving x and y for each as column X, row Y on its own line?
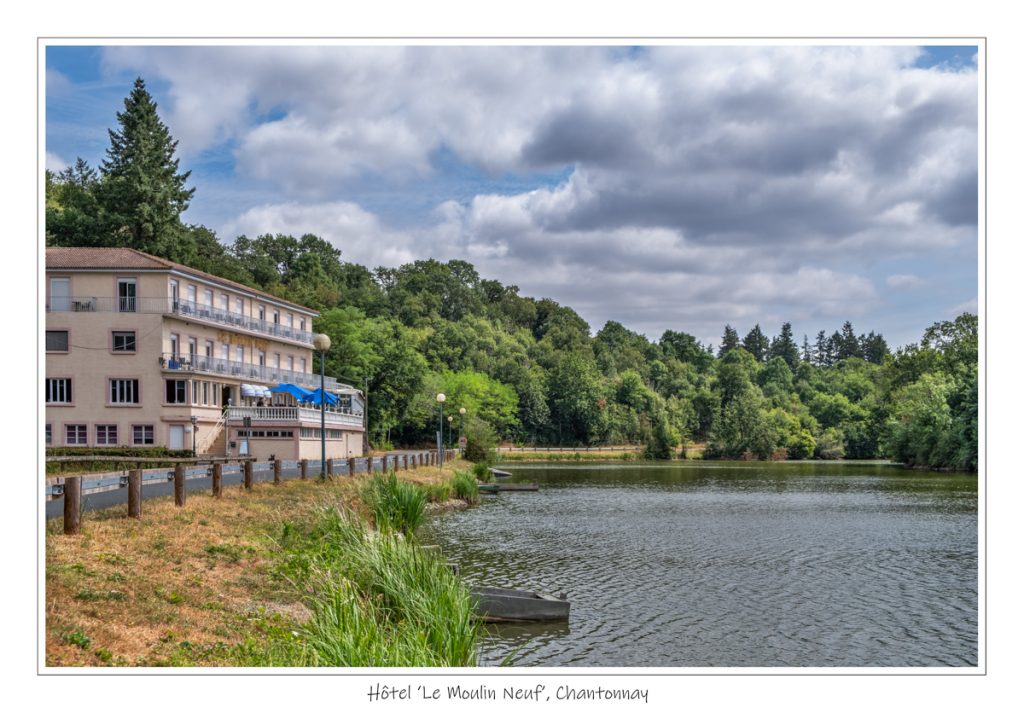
column 296, row 414
column 193, row 311
column 243, row 371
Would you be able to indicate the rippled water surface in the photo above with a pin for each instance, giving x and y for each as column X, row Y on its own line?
column 731, row 565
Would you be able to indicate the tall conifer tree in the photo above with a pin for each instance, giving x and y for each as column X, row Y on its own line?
column 142, row 192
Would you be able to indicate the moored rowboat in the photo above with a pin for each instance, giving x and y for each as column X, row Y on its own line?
column 496, row 604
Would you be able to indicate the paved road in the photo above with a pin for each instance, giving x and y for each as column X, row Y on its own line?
column 231, row 475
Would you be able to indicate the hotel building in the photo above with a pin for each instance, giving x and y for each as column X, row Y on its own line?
column 141, row 351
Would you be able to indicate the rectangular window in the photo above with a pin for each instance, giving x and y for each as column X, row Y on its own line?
column 277, row 360
column 261, row 357
column 60, row 294
column 175, row 392
column 290, row 318
column 195, row 392
column 191, row 292
column 174, row 346
column 261, row 312
column 193, row 349
column 302, row 324
column 209, row 349
column 49, row 434
column 142, row 435
column 302, row 365
column 76, row 435
column 56, row 340
column 58, row 391
column 277, row 317
column 206, row 393
column 291, row 363
column 124, row 342
column 175, row 297
column 239, row 305
column 106, row 435
column 124, row 391
column 208, row 297
column 126, row 295
column 224, row 303
column 239, row 354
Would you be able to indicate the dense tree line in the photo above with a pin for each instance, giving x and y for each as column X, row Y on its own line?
column 528, row 369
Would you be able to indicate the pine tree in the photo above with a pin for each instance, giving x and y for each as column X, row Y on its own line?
column 730, row 340
column 805, row 352
column 821, row 349
column 785, row 348
column 756, row 343
column 141, row 191
column 849, row 345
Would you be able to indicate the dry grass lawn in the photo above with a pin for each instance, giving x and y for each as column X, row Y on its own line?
column 183, row 586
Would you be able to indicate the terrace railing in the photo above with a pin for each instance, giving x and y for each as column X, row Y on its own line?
column 332, row 415
column 243, row 371
column 181, row 308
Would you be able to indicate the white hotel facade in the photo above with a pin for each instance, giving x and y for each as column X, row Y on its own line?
column 141, row 351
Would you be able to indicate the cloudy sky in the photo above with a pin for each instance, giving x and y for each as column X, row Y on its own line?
column 664, row 187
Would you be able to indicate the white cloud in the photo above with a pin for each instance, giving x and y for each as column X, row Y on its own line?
column 905, row 282
column 55, row 163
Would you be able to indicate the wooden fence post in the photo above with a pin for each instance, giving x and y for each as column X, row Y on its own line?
column 369, row 465
column 351, row 465
column 303, row 469
column 179, row 485
column 247, row 468
column 218, row 472
column 135, row 494
column 405, row 462
column 72, row 505
column 277, row 471
column 384, row 464
column 330, row 467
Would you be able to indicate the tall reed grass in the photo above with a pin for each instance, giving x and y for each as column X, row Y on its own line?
column 376, row 600
column 465, row 486
column 397, row 506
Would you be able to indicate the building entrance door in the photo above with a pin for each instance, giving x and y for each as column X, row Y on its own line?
column 176, row 442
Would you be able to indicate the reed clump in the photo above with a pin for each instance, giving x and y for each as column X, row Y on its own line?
column 465, row 486
column 396, row 505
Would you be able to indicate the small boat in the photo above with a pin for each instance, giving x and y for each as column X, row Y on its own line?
column 495, row 604
column 507, row 487
column 500, row 473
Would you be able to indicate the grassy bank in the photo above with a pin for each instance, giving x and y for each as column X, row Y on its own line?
column 280, row 576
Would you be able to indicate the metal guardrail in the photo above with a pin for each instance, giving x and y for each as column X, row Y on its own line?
column 565, row 449
column 216, row 366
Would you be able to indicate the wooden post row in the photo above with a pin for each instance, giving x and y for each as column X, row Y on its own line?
column 218, row 483
column 277, row 471
column 247, row 468
column 351, row 466
column 303, row 469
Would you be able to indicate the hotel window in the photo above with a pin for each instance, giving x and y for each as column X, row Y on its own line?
column 126, row 295
column 195, row 393
column 224, row 352
column 172, row 286
column 224, row 303
column 290, row 319
column 192, row 299
column 123, row 342
column 261, row 357
column 56, row 340
column 124, row 391
column 208, row 296
column 49, row 434
column 193, row 349
column 302, row 324
column 106, row 435
column 174, row 346
column 176, row 392
column 209, row 349
column 60, row 294
column 302, row 365
column 239, row 305
column 239, row 354
column 142, row 435
column 76, row 434
column 58, row 391
column 261, row 312
column 206, row 393
column 277, row 360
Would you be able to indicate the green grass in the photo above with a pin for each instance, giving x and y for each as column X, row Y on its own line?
column 482, row 471
column 438, row 492
column 465, row 486
column 375, row 600
column 397, row 505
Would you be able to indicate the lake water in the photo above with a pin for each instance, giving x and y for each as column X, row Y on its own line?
column 710, row 564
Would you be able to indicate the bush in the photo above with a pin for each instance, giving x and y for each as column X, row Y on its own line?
column 480, row 441
column 483, row 473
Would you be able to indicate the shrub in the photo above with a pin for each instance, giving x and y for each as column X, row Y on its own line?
column 482, row 471
column 465, row 486
column 480, row 441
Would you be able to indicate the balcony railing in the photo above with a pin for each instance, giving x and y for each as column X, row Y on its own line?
column 181, row 308
column 332, row 416
column 243, row 371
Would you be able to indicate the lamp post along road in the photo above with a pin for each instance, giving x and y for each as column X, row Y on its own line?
column 440, row 430
column 194, row 419
column 462, row 421
column 322, row 343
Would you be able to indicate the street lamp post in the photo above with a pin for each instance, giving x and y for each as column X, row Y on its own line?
column 194, row 419
column 440, row 430
column 462, row 420
column 322, row 343
column 450, row 419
